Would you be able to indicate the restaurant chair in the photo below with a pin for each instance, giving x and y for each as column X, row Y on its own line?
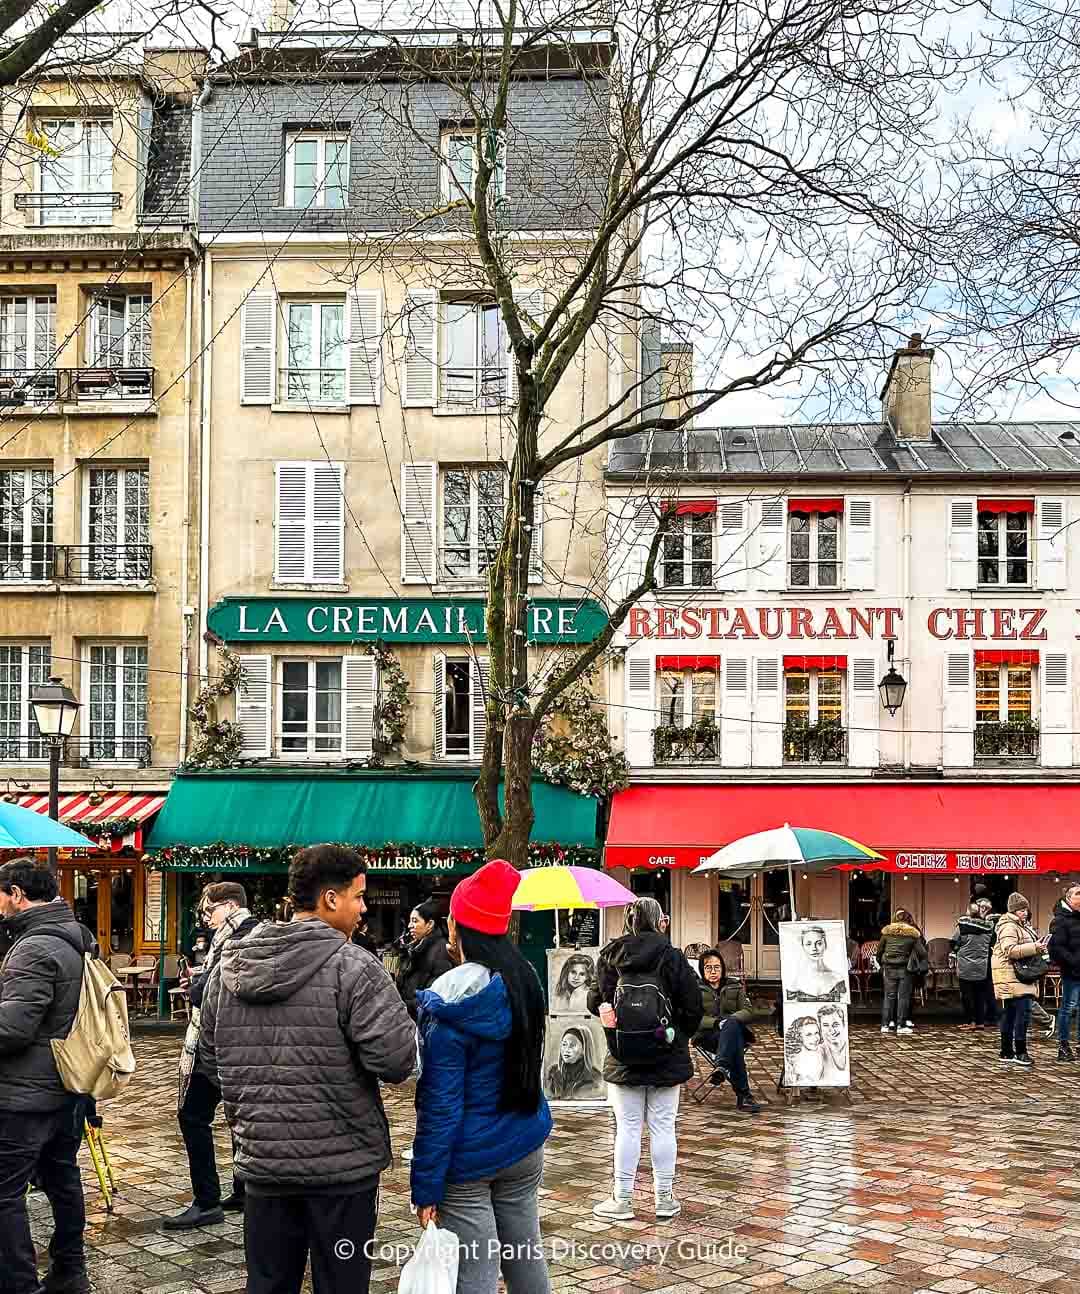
column 118, row 961
column 693, row 951
column 868, row 967
column 732, row 952
column 942, row 971
column 1051, row 986
column 854, row 953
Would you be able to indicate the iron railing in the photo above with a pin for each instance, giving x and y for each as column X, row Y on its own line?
column 27, row 563
column 823, row 744
column 1002, row 743
column 311, row 385
column 75, row 385
column 75, row 563
column 19, row 386
column 82, row 208
column 694, row 744
column 473, row 388
column 28, row 748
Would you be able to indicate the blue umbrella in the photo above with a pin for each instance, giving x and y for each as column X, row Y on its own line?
column 25, row 829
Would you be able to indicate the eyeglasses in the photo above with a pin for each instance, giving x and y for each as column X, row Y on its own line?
column 208, row 911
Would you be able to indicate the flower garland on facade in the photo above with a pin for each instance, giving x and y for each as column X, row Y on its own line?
column 420, row 858
column 394, row 703
column 573, row 746
column 220, row 741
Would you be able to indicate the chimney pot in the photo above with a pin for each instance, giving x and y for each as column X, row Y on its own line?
column 906, row 396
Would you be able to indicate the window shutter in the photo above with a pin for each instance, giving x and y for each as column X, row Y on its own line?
column 291, row 524
column 1056, row 711
column 358, row 685
column 735, row 714
column 1052, row 542
column 533, row 304
column 536, row 552
column 772, row 535
column 418, row 522
column 257, row 348
column 253, row 707
column 731, row 567
column 958, row 735
column 328, row 523
column 640, row 711
column 963, row 544
column 420, row 385
column 480, row 686
column 767, row 731
column 630, row 524
column 364, row 311
column 863, row 713
column 859, row 545
column 438, row 734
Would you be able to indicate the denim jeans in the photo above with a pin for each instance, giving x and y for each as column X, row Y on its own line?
column 1070, row 1001
column 196, row 1119
column 896, row 1001
column 728, row 1044
column 1014, row 1025
column 44, row 1147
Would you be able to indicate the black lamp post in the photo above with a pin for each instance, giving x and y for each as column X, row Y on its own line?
column 55, row 707
column 893, row 686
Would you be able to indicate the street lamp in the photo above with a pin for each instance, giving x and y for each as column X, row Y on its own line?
column 55, row 707
column 893, row 686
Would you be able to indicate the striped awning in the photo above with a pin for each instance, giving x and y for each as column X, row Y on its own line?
column 131, row 808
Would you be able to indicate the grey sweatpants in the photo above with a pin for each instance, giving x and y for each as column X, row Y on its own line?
column 497, row 1223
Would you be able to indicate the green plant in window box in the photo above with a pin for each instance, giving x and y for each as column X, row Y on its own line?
column 821, row 742
column 1017, row 738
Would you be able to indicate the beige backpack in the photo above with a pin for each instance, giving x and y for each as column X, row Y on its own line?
column 96, row 1059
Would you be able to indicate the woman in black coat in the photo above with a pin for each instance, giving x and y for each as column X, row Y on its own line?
column 424, row 957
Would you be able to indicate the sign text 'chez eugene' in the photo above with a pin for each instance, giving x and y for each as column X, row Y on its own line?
column 394, row 620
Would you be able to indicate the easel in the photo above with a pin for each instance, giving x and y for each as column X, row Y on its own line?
column 94, row 1137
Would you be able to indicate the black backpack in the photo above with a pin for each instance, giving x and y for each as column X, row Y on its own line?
column 644, row 1021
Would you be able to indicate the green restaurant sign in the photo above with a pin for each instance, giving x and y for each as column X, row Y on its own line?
column 394, row 620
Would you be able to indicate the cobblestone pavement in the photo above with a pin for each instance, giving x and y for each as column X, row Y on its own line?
column 942, row 1173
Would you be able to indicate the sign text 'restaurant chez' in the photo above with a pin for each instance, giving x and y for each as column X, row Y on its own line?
column 835, row 624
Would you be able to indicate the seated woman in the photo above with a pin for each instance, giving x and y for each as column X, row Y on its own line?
column 725, row 1027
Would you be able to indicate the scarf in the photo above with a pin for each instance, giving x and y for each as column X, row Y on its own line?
column 191, row 1039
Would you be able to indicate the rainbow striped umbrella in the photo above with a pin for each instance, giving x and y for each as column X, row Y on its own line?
column 544, row 888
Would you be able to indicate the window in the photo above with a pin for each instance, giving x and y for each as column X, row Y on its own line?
column 687, row 729
column 472, row 517
column 317, row 170
column 311, row 707
column 118, row 523
column 457, row 708
column 1004, row 547
column 315, row 359
column 814, row 550
column 458, row 149
column 27, row 349
column 813, row 716
column 1004, row 725
column 474, row 356
column 119, row 340
column 76, row 173
column 688, row 552
column 22, row 667
column 26, row 524
column 461, row 688
column 117, row 702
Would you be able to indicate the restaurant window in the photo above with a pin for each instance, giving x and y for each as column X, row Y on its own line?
column 732, row 906
column 1005, row 726
column 311, row 724
column 868, row 905
column 687, row 560
column 814, row 716
column 473, row 503
column 1005, row 542
column 22, row 667
column 653, row 885
column 687, row 700
column 118, row 702
column 776, row 905
column 814, row 549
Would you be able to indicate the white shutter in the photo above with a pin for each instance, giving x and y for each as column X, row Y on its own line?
column 253, row 707
column 859, row 543
column 631, row 524
column 1056, row 711
column 420, row 383
column 418, row 481
column 533, row 304
column 536, row 552
column 358, row 686
column 963, row 543
column 772, row 536
column 257, row 317
column 735, row 714
column 767, row 730
column 731, row 566
column 640, row 718
column 863, row 713
column 291, row 524
column 328, row 523
column 364, row 311
column 438, row 737
column 958, row 736
column 479, row 688
column 1052, row 542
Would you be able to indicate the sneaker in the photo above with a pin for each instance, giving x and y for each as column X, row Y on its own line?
column 195, row 1216
column 908, row 1028
column 1007, row 1058
column 887, row 1028
column 1065, row 1052
column 747, row 1104
column 667, row 1206
column 616, row 1208
column 1051, row 1028
column 909, row 1024
column 1024, row 1060
column 967, row 1028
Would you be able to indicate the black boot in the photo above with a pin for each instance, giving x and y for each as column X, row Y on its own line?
column 61, row 1282
column 233, row 1203
column 747, row 1104
column 195, row 1216
column 1065, row 1052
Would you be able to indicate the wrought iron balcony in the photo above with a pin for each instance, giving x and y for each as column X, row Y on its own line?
column 822, row 743
column 74, row 385
column 19, row 386
column 83, row 208
column 76, row 563
column 473, row 388
column 29, row 748
column 698, row 743
column 27, row 563
column 1006, row 742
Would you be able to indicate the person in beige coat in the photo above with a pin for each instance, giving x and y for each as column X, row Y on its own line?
column 1015, row 939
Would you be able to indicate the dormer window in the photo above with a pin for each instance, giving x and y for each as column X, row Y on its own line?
column 1005, row 541
column 317, row 169
column 76, row 179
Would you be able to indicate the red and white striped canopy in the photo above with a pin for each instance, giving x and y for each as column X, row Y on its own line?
column 77, row 811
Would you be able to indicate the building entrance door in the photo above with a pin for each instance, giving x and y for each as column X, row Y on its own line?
column 103, row 899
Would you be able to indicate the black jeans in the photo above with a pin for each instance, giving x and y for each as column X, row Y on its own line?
column 45, row 1147
column 196, row 1120
column 896, row 1000
column 973, row 997
column 280, row 1231
column 1014, row 1025
column 728, row 1043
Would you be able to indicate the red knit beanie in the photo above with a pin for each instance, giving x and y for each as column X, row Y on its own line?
column 482, row 901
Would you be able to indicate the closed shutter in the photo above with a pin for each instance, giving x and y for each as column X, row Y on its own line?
column 531, row 304
column 958, row 735
column 963, row 544
column 358, row 685
column 735, row 714
column 418, row 481
column 536, row 552
column 257, row 348
column 863, row 713
column 420, row 383
column 479, row 689
column 767, row 730
column 1052, row 541
column 1056, row 711
column 640, row 717
column 631, row 523
column 291, row 524
column 772, row 534
column 731, row 568
column 364, row 311
column 253, row 707
column 328, row 523
column 859, row 543
column 438, row 738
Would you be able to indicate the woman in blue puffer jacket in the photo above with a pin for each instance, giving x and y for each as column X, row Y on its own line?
column 481, row 1117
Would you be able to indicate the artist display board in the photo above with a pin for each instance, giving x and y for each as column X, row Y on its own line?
column 575, row 1045
column 817, row 994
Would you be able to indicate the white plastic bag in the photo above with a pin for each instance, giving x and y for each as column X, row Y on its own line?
column 433, row 1268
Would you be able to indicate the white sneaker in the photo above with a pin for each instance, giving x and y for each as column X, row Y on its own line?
column 887, row 1028
column 667, row 1206
column 616, row 1208
column 406, row 1154
column 908, row 1028
column 909, row 1024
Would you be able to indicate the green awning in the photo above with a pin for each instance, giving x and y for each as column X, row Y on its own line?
column 267, row 809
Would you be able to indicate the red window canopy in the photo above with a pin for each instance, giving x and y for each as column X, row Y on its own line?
column 815, row 662
column 688, row 662
column 691, row 507
column 1006, row 505
column 1016, row 656
column 922, row 828
column 815, row 505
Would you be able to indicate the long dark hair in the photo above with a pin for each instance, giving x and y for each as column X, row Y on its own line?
column 429, row 910
column 523, row 1053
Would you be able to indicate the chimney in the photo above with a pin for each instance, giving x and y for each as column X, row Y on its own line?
column 905, row 397
column 676, row 377
column 176, row 70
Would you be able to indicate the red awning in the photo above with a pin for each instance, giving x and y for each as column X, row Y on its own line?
column 815, row 662
column 697, row 507
column 1006, row 505
column 922, row 829
column 815, row 505
column 131, row 809
column 1015, row 656
column 688, row 662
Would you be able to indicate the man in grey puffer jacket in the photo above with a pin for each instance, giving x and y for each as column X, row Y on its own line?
column 300, row 1026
